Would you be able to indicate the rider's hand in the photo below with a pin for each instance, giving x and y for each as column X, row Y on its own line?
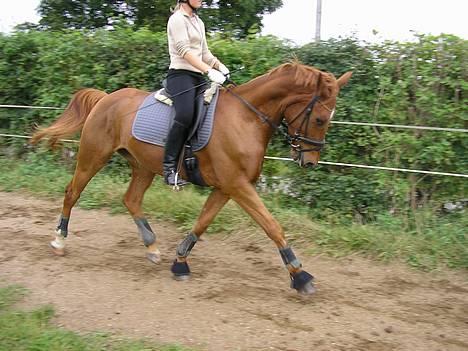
column 224, row 70
column 216, row 76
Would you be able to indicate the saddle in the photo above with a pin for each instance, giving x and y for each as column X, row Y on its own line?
column 156, row 115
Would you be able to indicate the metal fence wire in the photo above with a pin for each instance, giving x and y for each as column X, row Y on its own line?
column 454, row 130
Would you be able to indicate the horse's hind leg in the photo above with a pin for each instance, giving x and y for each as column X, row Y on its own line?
column 90, row 161
column 141, row 180
column 213, row 205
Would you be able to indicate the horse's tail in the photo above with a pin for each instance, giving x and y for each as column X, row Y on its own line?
column 72, row 120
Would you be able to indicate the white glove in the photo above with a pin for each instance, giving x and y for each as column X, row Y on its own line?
column 223, row 69
column 216, row 76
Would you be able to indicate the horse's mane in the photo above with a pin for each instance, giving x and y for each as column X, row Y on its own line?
column 308, row 77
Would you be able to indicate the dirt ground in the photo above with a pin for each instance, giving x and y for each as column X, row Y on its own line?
column 239, row 296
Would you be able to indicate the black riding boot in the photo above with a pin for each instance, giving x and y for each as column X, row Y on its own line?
column 174, row 143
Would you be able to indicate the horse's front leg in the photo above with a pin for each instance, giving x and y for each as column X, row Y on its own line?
column 213, row 205
column 247, row 197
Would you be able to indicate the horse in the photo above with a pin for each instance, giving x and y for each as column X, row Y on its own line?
column 246, row 116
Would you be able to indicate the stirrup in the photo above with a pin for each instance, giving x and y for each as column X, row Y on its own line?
column 174, row 180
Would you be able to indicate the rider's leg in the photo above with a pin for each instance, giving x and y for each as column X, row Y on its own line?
column 177, row 82
column 174, row 143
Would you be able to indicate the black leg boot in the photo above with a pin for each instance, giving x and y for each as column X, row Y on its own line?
column 174, row 143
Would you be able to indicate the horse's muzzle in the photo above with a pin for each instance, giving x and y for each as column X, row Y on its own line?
column 304, row 161
column 308, row 159
column 309, row 165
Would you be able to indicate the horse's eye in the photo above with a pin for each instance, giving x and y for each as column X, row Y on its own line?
column 320, row 122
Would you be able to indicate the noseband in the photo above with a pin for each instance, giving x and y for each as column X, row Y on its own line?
column 297, row 137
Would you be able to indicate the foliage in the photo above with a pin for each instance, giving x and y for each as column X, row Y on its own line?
column 88, row 14
column 233, row 18
column 50, row 66
column 32, row 330
column 420, row 83
column 239, row 18
column 415, row 83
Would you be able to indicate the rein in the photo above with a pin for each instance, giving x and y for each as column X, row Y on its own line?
column 297, row 137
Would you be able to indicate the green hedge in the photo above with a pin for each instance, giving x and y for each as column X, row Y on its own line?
column 418, row 83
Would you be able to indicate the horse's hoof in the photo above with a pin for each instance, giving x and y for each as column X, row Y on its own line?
column 303, row 283
column 57, row 251
column 181, row 278
column 307, row 289
column 180, row 270
column 153, row 257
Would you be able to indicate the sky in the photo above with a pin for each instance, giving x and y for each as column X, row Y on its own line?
column 390, row 19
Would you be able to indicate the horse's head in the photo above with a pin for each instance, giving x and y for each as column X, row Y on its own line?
column 308, row 109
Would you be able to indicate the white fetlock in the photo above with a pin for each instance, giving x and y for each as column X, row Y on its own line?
column 154, row 256
column 59, row 242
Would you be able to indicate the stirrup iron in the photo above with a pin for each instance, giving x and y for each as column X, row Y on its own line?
column 176, row 186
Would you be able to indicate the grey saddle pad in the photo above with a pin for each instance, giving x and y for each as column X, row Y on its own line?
column 153, row 119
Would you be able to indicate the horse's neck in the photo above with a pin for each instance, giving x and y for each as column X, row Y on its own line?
column 266, row 94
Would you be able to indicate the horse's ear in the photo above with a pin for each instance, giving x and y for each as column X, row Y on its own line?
column 343, row 80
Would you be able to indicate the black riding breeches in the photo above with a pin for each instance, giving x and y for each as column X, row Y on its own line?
column 181, row 81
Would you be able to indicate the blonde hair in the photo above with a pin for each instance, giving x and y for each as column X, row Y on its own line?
column 176, row 7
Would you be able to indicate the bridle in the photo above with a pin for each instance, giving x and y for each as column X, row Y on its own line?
column 317, row 145
column 298, row 137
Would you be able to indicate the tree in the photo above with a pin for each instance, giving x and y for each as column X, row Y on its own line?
column 71, row 14
column 150, row 13
column 235, row 18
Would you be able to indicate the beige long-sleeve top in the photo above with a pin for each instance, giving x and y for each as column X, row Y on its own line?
column 186, row 34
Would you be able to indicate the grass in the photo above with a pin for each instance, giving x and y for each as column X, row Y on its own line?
column 424, row 240
column 33, row 331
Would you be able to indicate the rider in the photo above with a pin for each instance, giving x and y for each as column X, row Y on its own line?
column 190, row 59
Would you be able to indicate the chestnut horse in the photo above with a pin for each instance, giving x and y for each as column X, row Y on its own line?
column 246, row 117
